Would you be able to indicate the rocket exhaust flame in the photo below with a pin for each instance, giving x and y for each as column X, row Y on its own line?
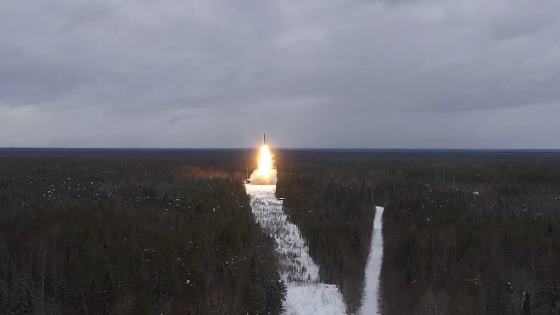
column 265, row 160
column 265, row 174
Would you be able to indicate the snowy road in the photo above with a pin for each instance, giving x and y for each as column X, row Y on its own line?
column 373, row 268
column 305, row 294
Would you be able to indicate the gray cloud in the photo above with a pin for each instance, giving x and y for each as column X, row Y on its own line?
column 179, row 118
column 314, row 73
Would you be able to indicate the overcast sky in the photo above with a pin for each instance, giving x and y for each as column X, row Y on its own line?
column 309, row 73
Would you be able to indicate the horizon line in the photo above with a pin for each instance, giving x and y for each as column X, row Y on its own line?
column 275, row 148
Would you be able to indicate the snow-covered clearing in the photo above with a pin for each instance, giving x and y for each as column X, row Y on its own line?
column 306, row 295
column 373, row 268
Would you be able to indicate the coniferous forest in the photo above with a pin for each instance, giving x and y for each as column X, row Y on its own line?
column 171, row 232
column 131, row 235
column 464, row 233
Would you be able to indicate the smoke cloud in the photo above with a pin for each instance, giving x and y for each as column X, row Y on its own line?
column 263, row 178
column 265, row 174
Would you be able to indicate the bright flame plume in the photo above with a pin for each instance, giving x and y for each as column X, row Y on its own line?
column 265, row 160
column 265, row 174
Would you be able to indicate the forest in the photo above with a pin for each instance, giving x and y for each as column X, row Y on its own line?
column 159, row 233
column 171, row 232
column 468, row 233
column 335, row 214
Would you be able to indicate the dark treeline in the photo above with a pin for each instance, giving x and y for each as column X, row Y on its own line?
column 334, row 208
column 156, row 232
column 488, row 244
column 463, row 234
column 132, row 235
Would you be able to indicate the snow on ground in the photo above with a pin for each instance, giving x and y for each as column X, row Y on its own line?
column 313, row 299
column 373, row 268
column 306, row 295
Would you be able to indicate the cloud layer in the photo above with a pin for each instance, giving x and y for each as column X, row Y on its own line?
column 311, row 73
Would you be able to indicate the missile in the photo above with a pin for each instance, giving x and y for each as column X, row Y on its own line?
column 264, row 138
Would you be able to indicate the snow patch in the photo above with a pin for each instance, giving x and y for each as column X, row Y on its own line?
column 371, row 292
column 306, row 295
column 312, row 299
